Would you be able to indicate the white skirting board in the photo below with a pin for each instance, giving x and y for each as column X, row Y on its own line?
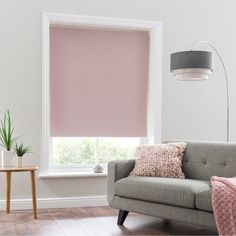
column 42, row 203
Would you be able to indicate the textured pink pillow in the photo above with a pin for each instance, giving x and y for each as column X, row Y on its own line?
column 162, row 160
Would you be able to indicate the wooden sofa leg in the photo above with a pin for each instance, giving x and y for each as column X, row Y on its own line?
column 122, row 216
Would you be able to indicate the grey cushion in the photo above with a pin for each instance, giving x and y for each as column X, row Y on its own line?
column 172, row 191
column 203, row 160
column 203, row 200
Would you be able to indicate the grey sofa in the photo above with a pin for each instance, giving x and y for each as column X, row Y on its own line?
column 187, row 200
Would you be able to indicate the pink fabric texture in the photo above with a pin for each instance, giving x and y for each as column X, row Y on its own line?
column 98, row 82
column 163, row 160
column 224, row 204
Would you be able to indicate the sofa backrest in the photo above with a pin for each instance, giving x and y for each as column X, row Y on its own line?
column 204, row 159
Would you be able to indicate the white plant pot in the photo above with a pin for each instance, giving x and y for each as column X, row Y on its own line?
column 8, row 159
column 19, row 161
column 98, row 169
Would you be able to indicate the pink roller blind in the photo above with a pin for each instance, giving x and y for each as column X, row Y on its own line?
column 98, row 82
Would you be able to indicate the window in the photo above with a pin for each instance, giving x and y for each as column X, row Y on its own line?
column 89, row 151
column 101, row 89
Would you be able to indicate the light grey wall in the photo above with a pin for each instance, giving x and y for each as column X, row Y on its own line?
column 190, row 110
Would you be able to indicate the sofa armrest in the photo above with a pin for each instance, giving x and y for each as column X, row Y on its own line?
column 117, row 170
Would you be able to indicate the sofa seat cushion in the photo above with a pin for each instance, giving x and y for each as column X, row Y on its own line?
column 172, row 191
column 203, row 200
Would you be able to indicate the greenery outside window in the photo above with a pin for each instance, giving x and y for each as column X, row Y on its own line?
column 86, row 152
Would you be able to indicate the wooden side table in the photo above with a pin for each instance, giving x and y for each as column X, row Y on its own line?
column 8, row 171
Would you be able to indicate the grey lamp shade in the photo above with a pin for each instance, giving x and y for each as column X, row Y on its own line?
column 191, row 65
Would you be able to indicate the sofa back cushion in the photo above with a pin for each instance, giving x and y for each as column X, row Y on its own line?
column 204, row 159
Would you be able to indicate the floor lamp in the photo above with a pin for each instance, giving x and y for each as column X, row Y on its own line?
column 197, row 65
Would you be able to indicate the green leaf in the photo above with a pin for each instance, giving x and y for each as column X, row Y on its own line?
column 7, row 131
column 21, row 150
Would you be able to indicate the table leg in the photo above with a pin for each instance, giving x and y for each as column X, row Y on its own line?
column 32, row 173
column 8, row 183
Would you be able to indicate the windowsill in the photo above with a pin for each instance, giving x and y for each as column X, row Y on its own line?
column 70, row 175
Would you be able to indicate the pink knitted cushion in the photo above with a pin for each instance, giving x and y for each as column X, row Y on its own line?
column 162, row 160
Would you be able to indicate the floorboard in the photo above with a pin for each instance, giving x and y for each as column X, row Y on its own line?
column 90, row 221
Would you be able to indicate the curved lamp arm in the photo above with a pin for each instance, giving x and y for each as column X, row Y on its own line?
column 226, row 79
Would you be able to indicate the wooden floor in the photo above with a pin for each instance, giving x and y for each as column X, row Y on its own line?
column 90, row 221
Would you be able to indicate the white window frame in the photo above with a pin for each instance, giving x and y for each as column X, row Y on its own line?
column 154, row 100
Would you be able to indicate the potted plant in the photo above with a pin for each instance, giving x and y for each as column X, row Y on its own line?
column 20, row 152
column 7, row 140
